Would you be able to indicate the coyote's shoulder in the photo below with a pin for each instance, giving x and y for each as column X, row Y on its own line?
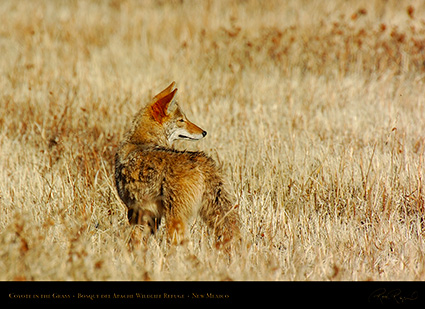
column 155, row 180
column 150, row 165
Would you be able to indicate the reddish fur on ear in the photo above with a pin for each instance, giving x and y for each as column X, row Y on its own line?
column 164, row 92
column 159, row 108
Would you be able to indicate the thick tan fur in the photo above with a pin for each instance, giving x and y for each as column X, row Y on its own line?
column 154, row 180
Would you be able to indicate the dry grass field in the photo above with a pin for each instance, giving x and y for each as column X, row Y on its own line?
column 314, row 109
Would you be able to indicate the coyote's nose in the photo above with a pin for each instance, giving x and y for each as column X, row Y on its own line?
column 204, row 133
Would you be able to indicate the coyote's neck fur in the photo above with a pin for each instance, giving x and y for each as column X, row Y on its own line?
column 141, row 133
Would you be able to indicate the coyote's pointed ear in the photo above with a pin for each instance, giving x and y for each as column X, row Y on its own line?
column 163, row 106
column 165, row 92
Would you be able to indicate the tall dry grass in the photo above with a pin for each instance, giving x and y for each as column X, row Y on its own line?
column 314, row 109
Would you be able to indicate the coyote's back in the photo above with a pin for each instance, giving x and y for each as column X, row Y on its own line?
column 154, row 180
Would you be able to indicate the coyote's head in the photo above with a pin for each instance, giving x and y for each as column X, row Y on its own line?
column 167, row 112
column 162, row 121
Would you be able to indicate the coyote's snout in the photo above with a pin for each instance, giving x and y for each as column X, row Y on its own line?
column 154, row 180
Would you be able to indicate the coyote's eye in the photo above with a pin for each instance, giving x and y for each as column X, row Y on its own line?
column 181, row 120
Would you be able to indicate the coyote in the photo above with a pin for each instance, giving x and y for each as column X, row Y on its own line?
column 154, row 180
